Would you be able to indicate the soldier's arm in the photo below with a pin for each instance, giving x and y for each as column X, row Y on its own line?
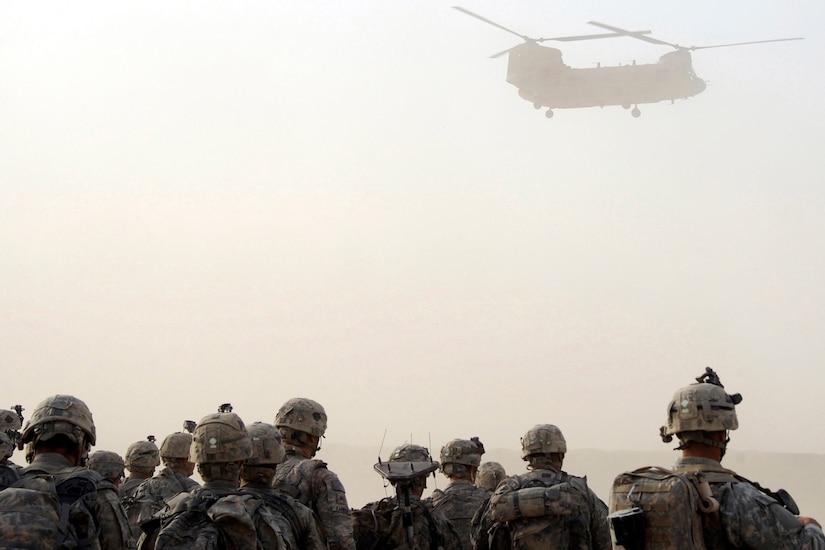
column 754, row 520
column 599, row 527
column 333, row 510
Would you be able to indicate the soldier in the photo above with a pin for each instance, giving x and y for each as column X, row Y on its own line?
column 460, row 500
column 546, row 507
column 299, row 525
column 302, row 423
column 154, row 493
column 732, row 512
column 110, row 466
column 60, row 433
column 142, row 457
column 405, row 521
column 215, row 515
column 489, row 475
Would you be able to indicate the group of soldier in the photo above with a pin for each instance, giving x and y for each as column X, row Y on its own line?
column 263, row 488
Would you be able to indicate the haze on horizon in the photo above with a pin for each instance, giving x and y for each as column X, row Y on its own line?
column 245, row 202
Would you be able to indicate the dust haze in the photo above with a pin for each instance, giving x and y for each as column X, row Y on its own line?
column 246, row 202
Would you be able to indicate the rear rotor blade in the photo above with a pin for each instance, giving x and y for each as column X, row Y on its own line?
column 590, row 36
column 745, row 43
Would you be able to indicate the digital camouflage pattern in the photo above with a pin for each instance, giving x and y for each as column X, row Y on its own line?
column 299, row 526
column 579, row 517
column 313, row 485
column 748, row 518
column 154, row 493
column 459, row 502
column 113, row 522
column 380, row 526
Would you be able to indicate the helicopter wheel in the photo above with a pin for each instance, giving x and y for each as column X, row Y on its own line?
column 549, row 113
column 537, row 106
column 626, row 106
column 636, row 112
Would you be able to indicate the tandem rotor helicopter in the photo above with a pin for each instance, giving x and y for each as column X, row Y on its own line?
column 543, row 79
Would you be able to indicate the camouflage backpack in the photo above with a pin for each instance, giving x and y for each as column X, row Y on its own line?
column 659, row 509
column 38, row 512
column 226, row 523
column 380, row 526
column 550, row 510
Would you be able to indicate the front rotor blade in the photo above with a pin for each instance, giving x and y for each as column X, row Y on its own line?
column 493, row 23
column 639, row 35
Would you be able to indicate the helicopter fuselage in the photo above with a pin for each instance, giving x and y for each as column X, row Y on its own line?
column 543, row 79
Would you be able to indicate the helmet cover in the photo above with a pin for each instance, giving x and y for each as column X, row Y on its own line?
column 142, row 455
column 303, row 415
column 221, row 437
column 542, row 439
column 60, row 415
column 106, row 463
column 267, row 446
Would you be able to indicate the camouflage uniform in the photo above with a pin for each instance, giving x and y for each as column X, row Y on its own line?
column 110, row 466
column 129, row 487
column 154, row 493
column 427, row 522
column 749, row 518
column 114, row 517
column 313, row 485
column 459, row 502
column 531, row 533
column 104, row 517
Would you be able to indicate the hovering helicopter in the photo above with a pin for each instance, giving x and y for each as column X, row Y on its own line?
column 543, row 79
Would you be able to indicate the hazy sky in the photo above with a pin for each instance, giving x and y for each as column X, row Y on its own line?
column 208, row 202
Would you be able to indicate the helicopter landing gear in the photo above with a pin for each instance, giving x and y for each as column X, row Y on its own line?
column 549, row 113
column 537, row 106
column 626, row 106
column 636, row 112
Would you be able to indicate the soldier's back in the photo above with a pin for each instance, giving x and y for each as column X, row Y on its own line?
column 311, row 483
column 459, row 502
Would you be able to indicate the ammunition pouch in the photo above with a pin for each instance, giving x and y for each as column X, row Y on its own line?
column 629, row 528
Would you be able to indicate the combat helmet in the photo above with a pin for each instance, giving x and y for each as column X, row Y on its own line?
column 106, row 463
column 460, row 457
column 176, row 445
column 267, row 446
column 408, row 464
column 462, row 451
column 409, row 452
column 542, row 439
column 301, row 415
column 221, row 437
column 489, row 475
column 9, row 433
column 60, row 415
column 143, row 455
column 704, row 406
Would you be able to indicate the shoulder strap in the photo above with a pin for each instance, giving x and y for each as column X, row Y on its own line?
column 436, row 540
